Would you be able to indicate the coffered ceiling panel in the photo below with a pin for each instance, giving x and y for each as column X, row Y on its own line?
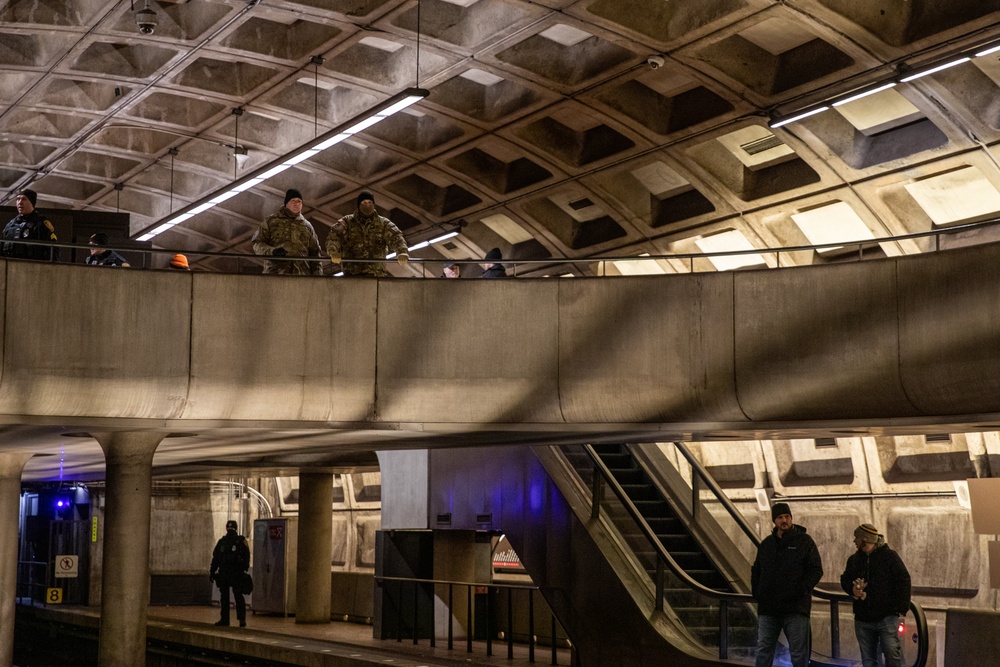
column 553, row 129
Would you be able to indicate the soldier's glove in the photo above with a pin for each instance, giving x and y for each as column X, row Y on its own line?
column 402, row 260
column 279, row 252
column 336, row 258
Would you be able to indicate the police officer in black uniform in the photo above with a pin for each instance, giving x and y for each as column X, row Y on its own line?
column 230, row 559
column 28, row 225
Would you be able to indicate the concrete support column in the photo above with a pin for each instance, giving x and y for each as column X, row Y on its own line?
column 11, row 466
column 125, row 578
column 312, row 586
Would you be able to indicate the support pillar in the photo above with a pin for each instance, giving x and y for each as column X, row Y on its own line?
column 125, row 570
column 315, row 549
column 11, row 467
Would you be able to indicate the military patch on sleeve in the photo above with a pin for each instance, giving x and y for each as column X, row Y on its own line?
column 49, row 226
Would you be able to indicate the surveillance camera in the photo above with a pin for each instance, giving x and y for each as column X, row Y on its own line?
column 655, row 62
column 146, row 20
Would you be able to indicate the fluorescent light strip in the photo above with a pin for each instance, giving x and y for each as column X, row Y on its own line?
column 301, row 157
column 450, row 235
column 988, row 51
column 249, row 184
column 419, row 246
column 411, row 96
column 852, row 98
column 391, row 255
column 786, row 121
column 913, row 77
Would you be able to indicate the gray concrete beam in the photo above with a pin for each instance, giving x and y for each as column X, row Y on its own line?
column 905, row 338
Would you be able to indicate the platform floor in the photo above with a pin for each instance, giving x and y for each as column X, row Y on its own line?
column 283, row 640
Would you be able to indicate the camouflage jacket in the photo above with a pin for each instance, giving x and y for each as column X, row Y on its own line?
column 357, row 237
column 293, row 233
column 31, row 227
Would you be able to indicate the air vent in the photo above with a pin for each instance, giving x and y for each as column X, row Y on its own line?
column 937, row 437
column 826, row 443
column 762, row 144
column 444, row 519
column 484, row 518
column 578, row 204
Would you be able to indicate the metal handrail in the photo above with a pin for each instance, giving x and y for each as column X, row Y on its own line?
column 860, row 245
column 470, row 585
column 648, row 532
column 713, row 486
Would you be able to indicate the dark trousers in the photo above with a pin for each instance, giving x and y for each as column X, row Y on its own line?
column 241, row 606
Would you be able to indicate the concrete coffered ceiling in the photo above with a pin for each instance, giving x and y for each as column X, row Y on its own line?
column 546, row 131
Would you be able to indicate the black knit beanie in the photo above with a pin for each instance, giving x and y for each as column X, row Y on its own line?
column 292, row 194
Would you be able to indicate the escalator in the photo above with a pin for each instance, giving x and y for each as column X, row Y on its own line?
column 698, row 614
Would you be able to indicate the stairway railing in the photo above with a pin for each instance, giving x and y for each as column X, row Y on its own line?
column 700, row 476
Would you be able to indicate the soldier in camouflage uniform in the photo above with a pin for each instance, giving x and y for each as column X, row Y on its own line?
column 288, row 234
column 365, row 234
column 29, row 225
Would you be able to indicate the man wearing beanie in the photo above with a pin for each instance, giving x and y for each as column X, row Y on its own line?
column 492, row 268
column 783, row 575
column 365, row 234
column 288, row 234
column 880, row 585
column 28, row 225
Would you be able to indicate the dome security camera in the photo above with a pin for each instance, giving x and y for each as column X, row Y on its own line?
column 655, row 62
column 145, row 19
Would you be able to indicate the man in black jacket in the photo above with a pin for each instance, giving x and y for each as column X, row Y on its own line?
column 492, row 268
column 28, row 225
column 230, row 560
column 880, row 585
column 787, row 568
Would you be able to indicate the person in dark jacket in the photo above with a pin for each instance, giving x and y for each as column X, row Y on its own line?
column 230, row 559
column 101, row 255
column 492, row 267
column 28, row 225
column 879, row 582
column 787, row 568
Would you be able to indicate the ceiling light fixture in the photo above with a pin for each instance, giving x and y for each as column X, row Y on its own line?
column 910, row 74
column 343, row 131
column 799, row 116
column 937, row 68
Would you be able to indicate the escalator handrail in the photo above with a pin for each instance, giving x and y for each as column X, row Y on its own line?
column 609, row 479
column 717, row 491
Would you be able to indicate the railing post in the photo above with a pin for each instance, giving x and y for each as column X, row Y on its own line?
column 835, row 629
column 554, row 654
column 510, row 623
column 531, row 625
column 596, row 493
column 659, row 584
column 451, row 615
column 469, row 623
column 695, row 493
column 399, row 611
column 723, row 629
column 414, row 613
column 489, row 635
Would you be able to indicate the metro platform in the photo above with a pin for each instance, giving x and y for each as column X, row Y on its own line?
column 279, row 640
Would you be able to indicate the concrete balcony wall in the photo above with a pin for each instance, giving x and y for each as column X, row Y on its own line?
column 907, row 338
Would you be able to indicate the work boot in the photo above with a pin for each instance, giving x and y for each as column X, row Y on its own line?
column 223, row 623
column 243, row 623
